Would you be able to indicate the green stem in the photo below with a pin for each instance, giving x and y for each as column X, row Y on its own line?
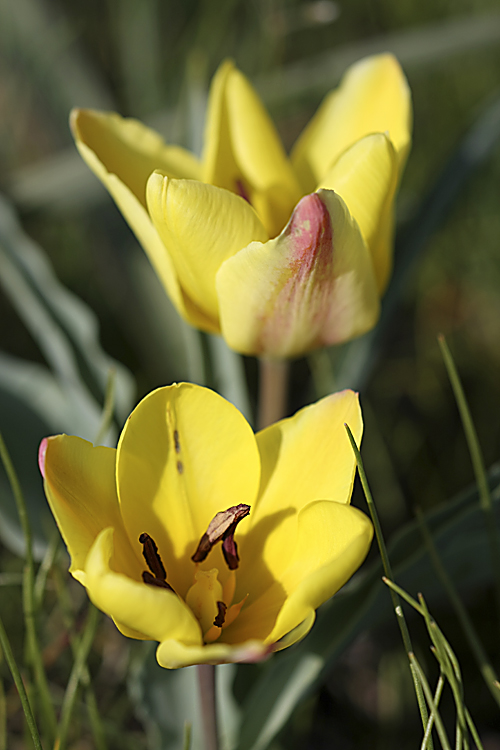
column 485, row 667
column 273, row 391
column 9, row 658
column 48, row 715
column 206, row 682
column 388, row 572
column 478, row 465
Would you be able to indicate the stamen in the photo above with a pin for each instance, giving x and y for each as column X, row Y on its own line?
column 222, row 528
column 152, row 557
column 152, row 581
column 221, row 615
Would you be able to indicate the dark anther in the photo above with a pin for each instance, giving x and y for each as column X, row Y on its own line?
column 221, row 614
column 148, row 578
column 152, row 556
column 222, row 528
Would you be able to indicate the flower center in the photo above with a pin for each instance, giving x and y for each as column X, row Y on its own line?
column 210, row 603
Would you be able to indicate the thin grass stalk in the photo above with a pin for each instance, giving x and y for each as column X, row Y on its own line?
column 430, row 702
column 16, row 675
column 44, row 569
column 273, row 391
column 475, row 644
column 79, row 667
column 473, row 730
column 405, row 634
column 478, row 466
column 48, row 716
column 430, row 723
column 452, row 674
column 443, row 655
column 96, row 725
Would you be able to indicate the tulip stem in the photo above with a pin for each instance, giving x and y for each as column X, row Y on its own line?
column 206, row 682
column 273, row 391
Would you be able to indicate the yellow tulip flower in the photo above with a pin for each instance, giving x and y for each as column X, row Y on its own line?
column 280, row 255
column 218, row 543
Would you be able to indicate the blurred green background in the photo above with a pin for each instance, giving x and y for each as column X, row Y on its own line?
column 153, row 60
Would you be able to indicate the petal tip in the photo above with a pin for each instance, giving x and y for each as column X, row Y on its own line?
column 42, row 450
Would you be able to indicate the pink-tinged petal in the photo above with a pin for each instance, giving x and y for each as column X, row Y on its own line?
column 42, row 451
column 312, row 286
column 173, row 654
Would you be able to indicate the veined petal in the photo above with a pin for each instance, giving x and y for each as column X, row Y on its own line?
column 243, row 152
column 201, row 226
column 373, row 97
column 184, row 455
column 303, row 458
column 314, row 285
column 366, row 176
column 153, row 612
column 332, row 541
column 173, row 654
column 107, row 145
column 79, row 482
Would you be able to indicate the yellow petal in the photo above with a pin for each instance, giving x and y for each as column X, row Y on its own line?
column 312, row 286
column 130, row 150
column 174, row 654
column 184, row 455
column 373, row 97
column 332, row 542
column 121, row 153
column 243, row 152
column 154, row 612
column 79, row 482
column 201, row 226
column 366, row 176
column 303, row 458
